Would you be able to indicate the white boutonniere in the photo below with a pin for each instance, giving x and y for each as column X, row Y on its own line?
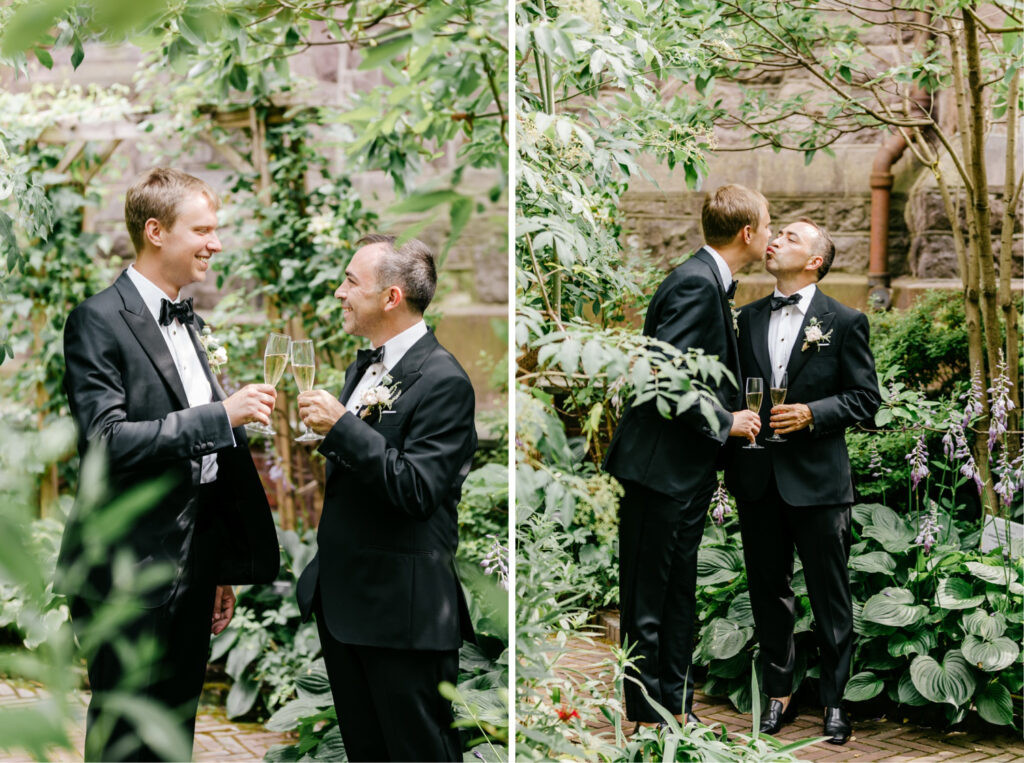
column 735, row 316
column 814, row 336
column 380, row 398
column 216, row 352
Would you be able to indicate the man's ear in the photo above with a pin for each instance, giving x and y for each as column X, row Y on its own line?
column 395, row 297
column 814, row 262
column 153, row 231
column 747, row 233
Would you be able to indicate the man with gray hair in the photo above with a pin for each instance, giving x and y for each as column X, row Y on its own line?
column 796, row 493
column 399, row 442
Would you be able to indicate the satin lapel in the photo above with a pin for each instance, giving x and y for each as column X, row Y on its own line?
column 759, row 318
column 407, row 370
column 150, row 339
column 193, row 333
column 798, row 359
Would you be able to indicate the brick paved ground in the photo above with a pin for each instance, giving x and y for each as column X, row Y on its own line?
column 217, row 738
column 872, row 740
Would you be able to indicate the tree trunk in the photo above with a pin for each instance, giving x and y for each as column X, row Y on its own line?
column 1006, row 300
column 981, row 208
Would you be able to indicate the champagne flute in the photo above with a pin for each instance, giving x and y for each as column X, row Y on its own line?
column 778, row 395
column 275, row 360
column 755, row 393
column 304, row 369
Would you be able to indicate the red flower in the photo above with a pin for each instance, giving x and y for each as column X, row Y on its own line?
column 565, row 714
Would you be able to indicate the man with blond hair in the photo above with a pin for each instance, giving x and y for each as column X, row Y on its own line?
column 142, row 393
column 667, row 464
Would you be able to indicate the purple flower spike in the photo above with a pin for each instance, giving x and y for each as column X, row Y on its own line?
column 1000, row 403
column 918, row 459
column 720, row 502
column 929, row 528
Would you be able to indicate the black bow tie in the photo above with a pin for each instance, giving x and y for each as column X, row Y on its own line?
column 731, row 291
column 779, row 302
column 366, row 358
column 181, row 310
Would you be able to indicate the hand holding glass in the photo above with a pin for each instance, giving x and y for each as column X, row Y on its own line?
column 304, row 369
column 778, row 395
column 755, row 393
column 275, row 360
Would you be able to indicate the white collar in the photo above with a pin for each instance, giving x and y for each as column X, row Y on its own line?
column 723, row 267
column 806, row 295
column 151, row 294
column 396, row 347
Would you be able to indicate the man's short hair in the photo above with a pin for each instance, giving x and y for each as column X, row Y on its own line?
column 728, row 210
column 409, row 266
column 158, row 194
column 823, row 245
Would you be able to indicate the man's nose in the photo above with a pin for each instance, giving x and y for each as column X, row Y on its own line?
column 214, row 244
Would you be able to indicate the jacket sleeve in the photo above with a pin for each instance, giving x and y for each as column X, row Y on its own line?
column 438, row 445
column 859, row 397
column 689, row 313
column 94, row 381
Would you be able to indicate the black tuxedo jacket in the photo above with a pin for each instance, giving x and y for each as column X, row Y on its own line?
column 674, row 455
column 388, row 533
column 125, row 392
column 837, row 382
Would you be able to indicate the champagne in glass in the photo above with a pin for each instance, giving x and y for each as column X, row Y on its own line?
column 755, row 394
column 275, row 360
column 778, row 395
column 304, row 369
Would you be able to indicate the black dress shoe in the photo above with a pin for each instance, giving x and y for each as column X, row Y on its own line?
column 691, row 717
column 837, row 725
column 775, row 718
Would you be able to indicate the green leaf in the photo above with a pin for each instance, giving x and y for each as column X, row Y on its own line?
column 863, row 686
column 985, row 625
column 424, row 200
column 992, row 656
column 43, row 56
column 893, row 606
column 908, row 695
column 739, row 610
column 889, row 529
column 716, row 564
column 593, row 358
column 239, row 78
column 375, row 56
column 995, row 704
column 955, row 593
column 991, row 574
column 905, row 644
column 723, row 639
column 873, row 561
column 77, row 52
column 242, row 696
column 951, row 682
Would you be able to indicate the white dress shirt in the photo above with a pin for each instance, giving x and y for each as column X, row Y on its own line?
column 394, row 349
column 783, row 329
column 183, row 352
column 723, row 268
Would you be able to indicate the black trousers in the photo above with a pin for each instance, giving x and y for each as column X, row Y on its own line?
column 771, row 529
column 387, row 700
column 658, row 542
column 160, row 656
